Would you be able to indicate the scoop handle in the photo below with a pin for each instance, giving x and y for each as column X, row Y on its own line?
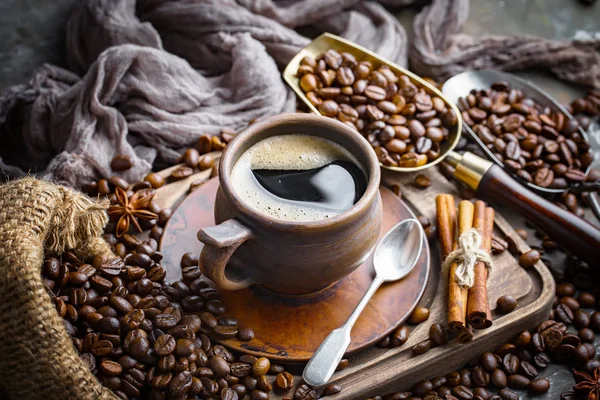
column 579, row 237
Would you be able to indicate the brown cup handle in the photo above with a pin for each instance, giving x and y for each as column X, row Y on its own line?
column 220, row 242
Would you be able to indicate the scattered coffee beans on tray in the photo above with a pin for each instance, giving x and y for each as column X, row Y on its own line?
column 404, row 122
column 538, row 144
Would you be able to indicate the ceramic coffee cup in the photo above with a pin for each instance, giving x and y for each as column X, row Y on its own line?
column 248, row 247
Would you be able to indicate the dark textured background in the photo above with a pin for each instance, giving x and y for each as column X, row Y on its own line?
column 32, row 32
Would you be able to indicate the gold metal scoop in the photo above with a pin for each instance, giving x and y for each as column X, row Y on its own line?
column 328, row 41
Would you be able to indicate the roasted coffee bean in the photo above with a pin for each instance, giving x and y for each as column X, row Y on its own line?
column 563, row 314
column 400, row 336
column 586, row 299
column 572, row 339
column 438, row 335
column 489, row 362
column 261, row 366
column 529, row 259
column 422, row 181
column 564, row 352
column 506, row 304
column 421, row 348
column 581, row 319
column 304, row 392
column 111, row 368
column 570, row 302
column 480, row 377
column 527, row 370
column 421, row 388
column 219, row 366
column 538, row 386
column 462, row 392
column 584, row 352
column 510, row 364
column 523, row 339
column 517, row 381
column 420, row 314
column 541, row 360
column 506, row 394
column 587, row 335
column 498, row 378
column 331, row 389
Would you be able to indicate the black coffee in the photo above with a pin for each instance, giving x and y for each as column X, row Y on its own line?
column 298, row 178
column 314, row 185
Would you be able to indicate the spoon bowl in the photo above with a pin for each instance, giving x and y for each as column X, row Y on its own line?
column 398, row 251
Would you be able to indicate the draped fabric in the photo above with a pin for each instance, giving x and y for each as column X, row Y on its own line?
column 147, row 78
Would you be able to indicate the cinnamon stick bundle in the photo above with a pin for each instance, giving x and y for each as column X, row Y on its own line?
column 478, row 310
column 457, row 295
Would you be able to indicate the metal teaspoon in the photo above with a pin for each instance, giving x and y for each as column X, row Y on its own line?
column 395, row 256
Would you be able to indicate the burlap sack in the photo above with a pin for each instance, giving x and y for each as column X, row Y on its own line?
column 37, row 358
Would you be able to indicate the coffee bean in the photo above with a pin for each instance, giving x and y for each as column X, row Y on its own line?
column 529, row 259
column 565, row 289
column 245, row 334
column 421, row 388
column 422, row 181
column 587, row 335
column 586, row 300
column 261, row 366
column 111, row 368
column 421, row 348
column 581, row 319
column 510, row 363
column 121, row 163
column 303, row 392
column 462, row 392
column 498, row 378
column 488, row 362
column 400, row 336
column 420, row 314
column 506, row 394
column 570, row 302
column 541, row 360
column 331, row 389
column 506, row 304
column 563, row 313
column 438, row 335
column 527, row 370
column 480, row 377
column 538, row 386
column 517, row 381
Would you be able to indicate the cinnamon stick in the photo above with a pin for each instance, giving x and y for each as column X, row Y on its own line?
column 446, row 222
column 478, row 309
column 465, row 335
column 458, row 295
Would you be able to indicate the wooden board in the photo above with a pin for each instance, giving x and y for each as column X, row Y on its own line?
column 376, row 371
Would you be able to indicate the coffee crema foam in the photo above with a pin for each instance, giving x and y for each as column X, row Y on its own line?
column 294, row 152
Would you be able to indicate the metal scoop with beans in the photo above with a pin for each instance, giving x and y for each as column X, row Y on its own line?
column 412, row 126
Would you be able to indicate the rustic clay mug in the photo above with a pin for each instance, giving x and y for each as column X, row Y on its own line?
column 248, row 247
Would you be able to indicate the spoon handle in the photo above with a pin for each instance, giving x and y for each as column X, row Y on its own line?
column 573, row 233
column 325, row 360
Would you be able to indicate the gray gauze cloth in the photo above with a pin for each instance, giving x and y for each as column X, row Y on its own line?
column 147, row 78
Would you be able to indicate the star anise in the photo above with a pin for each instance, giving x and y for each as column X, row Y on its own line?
column 587, row 386
column 127, row 210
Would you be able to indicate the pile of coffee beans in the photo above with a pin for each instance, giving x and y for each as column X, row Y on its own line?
column 589, row 104
column 538, row 144
column 404, row 122
column 143, row 339
column 193, row 159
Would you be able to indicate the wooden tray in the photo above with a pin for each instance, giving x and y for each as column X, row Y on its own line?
column 376, row 371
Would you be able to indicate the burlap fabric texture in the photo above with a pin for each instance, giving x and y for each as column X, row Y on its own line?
column 37, row 358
